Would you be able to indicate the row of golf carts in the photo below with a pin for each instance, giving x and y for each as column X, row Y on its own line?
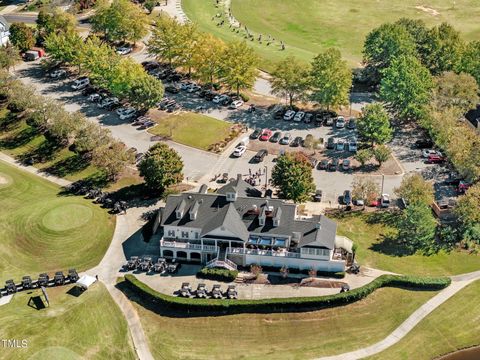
column 203, row 293
column 146, row 264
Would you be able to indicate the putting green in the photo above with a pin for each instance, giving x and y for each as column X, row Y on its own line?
column 55, row 353
column 44, row 231
column 66, row 217
column 308, row 27
column 5, row 180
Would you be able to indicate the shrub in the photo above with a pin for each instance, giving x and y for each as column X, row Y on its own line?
column 218, row 274
column 283, row 304
column 244, row 97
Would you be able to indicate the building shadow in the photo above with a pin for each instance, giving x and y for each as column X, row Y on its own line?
column 36, row 302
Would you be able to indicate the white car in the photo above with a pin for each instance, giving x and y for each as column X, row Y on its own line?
column 239, row 150
column 235, row 104
column 289, row 115
column 340, row 145
column 352, row 145
column 299, row 116
column 95, row 98
column 127, row 113
column 108, row 102
column 340, row 123
column 427, row 152
column 124, row 50
column 185, row 85
column 385, row 201
column 58, row 73
column 220, row 99
column 194, row 88
column 80, row 83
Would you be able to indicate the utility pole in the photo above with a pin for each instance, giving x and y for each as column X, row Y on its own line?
column 266, row 177
column 383, row 181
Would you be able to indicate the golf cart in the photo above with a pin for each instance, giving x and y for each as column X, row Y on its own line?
column 43, row 280
column 59, row 278
column 132, row 263
column 185, row 290
column 216, row 292
column 27, row 282
column 10, row 287
column 146, row 263
column 72, row 275
column 160, row 265
column 201, row 291
column 231, row 292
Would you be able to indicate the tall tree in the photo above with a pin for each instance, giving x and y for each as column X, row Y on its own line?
column 22, row 36
column 381, row 153
column 8, row 57
column 292, row 174
column 290, row 79
column 65, row 47
column 331, row 79
column 239, row 69
column 208, row 57
column 416, row 228
column 468, row 206
column 455, row 90
column 419, row 32
column 443, row 49
column 57, row 21
column 363, row 155
column 166, row 40
column 91, row 136
column 146, row 92
column 406, row 87
column 112, row 158
column 383, row 45
column 470, row 60
column 374, row 124
column 365, row 188
column 414, row 189
column 100, row 60
column 189, row 37
column 161, row 167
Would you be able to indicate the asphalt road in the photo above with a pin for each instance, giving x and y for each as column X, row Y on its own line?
column 32, row 18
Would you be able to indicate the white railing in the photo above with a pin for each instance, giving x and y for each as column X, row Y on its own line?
column 183, row 245
column 263, row 252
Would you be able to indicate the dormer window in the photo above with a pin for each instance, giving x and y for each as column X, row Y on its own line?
column 231, row 196
column 178, row 214
column 276, row 222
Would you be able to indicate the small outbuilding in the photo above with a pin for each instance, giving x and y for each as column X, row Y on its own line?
column 85, row 281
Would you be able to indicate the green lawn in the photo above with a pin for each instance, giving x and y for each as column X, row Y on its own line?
column 90, row 326
column 374, row 250
column 310, row 26
column 192, row 129
column 42, row 231
column 280, row 336
column 454, row 325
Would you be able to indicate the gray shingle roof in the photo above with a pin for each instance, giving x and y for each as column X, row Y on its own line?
column 241, row 187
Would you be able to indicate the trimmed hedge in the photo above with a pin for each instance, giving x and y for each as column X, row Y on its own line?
column 283, row 304
column 218, row 274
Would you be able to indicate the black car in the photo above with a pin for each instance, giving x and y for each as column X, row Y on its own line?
column 424, row 144
column 89, row 90
column 323, row 165
column 255, row 134
column 318, row 196
column 209, row 95
column 318, row 119
column 276, row 136
column 296, row 142
column 333, row 165
column 331, row 143
column 351, row 124
column 259, row 156
column 347, row 197
column 228, row 100
column 278, row 115
column 172, row 89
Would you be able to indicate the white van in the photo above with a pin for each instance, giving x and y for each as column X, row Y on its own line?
column 80, row 83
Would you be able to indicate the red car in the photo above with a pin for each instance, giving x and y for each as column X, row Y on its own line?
column 435, row 159
column 266, row 134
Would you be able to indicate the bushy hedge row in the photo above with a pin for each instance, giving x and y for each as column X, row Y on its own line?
column 283, row 304
column 218, row 274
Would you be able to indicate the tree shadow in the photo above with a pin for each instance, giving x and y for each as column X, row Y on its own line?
column 75, row 291
column 20, row 139
column 391, row 245
column 46, row 151
column 68, row 166
column 387, row 218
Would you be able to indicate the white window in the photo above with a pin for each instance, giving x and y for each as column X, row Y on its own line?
column 185, row 234
column 171, row 233
column 197, row 235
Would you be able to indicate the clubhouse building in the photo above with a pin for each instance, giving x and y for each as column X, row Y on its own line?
column 236, row 226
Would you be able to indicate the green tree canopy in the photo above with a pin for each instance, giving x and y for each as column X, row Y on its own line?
column 406, row 87
column 65, row 47
column 146, row 92
column 208, row 57
column 57, row 21
column 470, row 60
column 166, row 40
column 374, row 124
column 161, row 167
column 383, row 45
column 331, row 79
column 468, row 206
column 381, row 153
column 363, row 156
column 112, row 158
column 239, row 69
column 455, row 90
column 292, row 174
column 290, row 79
column 8, row 57
column 416, row 228
column 414, row 189
column 365, row 188
column 22, row 36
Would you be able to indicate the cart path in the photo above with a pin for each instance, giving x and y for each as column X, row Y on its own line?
column 33, row 170
column 458, row 283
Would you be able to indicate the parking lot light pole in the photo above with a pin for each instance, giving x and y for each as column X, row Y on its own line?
column 383, row 181
column 266, row 177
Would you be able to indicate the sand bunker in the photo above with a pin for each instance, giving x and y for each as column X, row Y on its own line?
column 428, row 10
column 4, row 180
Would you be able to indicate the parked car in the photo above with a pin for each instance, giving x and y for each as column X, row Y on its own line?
column 259, row 156
column 239, row 150
column 323, row 164
column 278, row 114
column 319, row 119
column 385, row 201
column 285, row 140
column 352, row 123
column 340, row 123
column 358, row 202
column 331, row 143
column 308, row 118
column 346, row 164
column 56, row 74
column 427, row 152
column 347, row 197
column 435, row 159
column 146, row 125
column 352, row 145
column 95, row 98
column 424, row 143
column 210, row 95
column 108, row 103
column 297, row 141
column 255, row 134
column 299, row 116
column 89, row 90
column 194, row 88
column 289, row 115
column 128, row 113
column 266, row 134
column 317, row 197
column 340, row 145
column 124, row 50
column 219, row 99
column 328, row 121
column 80, row 83
column 333, row 165
column 185, row 85
column 235, row 104
column 172, row 89
column 277, row 135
